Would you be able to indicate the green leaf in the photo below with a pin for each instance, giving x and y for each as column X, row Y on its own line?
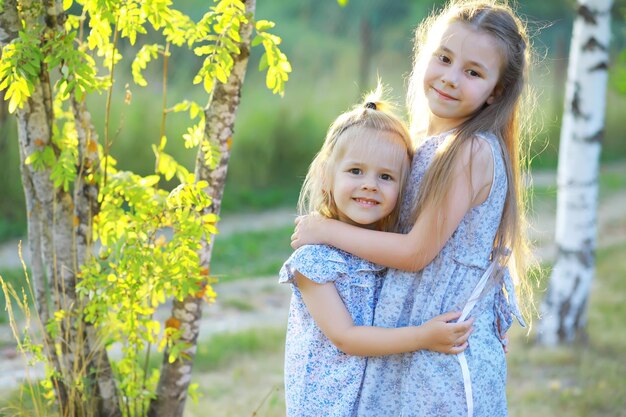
column 263, row 25
column 258, row 40
column 220, row 74
column 194, row 135
column 208, row 84
column 263, row 62
column 150, row 180
column 182, row 106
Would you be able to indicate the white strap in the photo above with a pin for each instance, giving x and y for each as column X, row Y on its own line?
column 467, row 381
column 476, row 293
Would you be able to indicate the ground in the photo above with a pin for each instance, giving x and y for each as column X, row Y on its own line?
column 248, row 386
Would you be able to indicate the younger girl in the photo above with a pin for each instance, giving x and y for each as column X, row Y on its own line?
column 356, row 179
column 462, row 215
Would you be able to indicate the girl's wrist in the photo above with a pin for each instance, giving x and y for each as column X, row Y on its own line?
column 325, row 231
column 419, row 338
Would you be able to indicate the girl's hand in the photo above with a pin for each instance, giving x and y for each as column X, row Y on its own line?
column 309, row 230
column 505, row 338
column 505, row 343
column 444, row 335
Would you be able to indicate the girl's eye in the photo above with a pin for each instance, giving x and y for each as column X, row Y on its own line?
column 386, row 177
column 444, row 58
column 355, row 171
column 473, row 73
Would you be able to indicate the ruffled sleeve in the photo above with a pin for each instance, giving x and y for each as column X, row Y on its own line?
column 506, row 307
column 319, row 263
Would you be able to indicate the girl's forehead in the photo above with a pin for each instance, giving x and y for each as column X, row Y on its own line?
column 363, row 138
column 470, row 43
column 373, row 145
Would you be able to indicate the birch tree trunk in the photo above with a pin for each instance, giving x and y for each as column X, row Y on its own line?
column 220, row 120
column 59, row 225
column 564, row 307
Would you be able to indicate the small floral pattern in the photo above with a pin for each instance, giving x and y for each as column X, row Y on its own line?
column 320, row 380
column 429, row 384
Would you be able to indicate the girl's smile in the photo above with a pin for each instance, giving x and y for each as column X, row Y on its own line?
column 443, row 95
column 461, row 76
column 366, row 201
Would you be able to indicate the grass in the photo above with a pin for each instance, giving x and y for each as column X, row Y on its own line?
column 584, row 380
column 575, row 381
column 235, row 354
column 223, row 350
column 237, row 304
column 251, row 386
column 243, row 255
column 27, row 401
column 14, row 277
column 229, row 348
column 612, row 177
column 240, row 373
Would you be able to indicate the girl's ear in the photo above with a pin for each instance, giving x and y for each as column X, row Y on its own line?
column 495, row 94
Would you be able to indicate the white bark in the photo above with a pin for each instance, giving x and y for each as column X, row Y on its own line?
column 564, row 307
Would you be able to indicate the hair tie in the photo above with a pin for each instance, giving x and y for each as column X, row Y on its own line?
column 371, row 105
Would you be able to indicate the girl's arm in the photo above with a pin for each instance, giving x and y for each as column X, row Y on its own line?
column 432, row 229
column 330, row 313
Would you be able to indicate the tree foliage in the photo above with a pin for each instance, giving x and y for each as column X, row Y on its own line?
column 149, row 239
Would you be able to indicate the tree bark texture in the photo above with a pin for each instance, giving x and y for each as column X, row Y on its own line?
column 59, row 226
column 564, row 306
column 220, row 120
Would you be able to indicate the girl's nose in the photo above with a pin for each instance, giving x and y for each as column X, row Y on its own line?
column 449, row 78
column 369, row 185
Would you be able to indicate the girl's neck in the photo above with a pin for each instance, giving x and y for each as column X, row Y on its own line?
column 439, row 131
column 347, row 220
column 437, row 126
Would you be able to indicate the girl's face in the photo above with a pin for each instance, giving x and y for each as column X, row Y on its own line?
column 461, row 76
column 366, row 182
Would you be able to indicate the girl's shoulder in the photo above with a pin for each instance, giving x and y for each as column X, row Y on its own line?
column 323, row 263
column 492, row 139
column 486, row 147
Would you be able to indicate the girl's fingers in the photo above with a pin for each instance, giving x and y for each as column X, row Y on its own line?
column 450, row 316
column 455, row 350
column 465, row 327
column 463, row 339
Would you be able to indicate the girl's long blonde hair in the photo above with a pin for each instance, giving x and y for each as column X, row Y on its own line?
column 369, row 126
column 502, row 118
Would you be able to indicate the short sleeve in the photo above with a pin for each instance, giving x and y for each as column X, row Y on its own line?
column 319, row 263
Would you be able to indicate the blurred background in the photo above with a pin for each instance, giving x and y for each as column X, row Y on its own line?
column 336, row 54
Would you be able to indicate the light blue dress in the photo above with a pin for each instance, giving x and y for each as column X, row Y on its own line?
column 320, row 380
column 429, row 384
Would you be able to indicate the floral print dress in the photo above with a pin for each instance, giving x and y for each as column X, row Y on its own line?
column 320, row 380
column 430, row 384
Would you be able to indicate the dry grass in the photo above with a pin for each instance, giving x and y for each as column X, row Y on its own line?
column 580, row 381
column 252, row 384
